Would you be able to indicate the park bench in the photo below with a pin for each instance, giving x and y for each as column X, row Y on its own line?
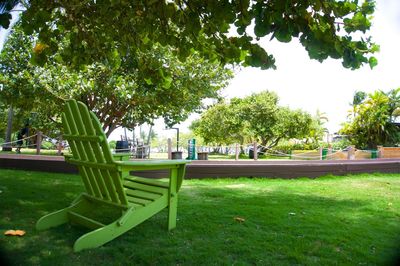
column 109, row 186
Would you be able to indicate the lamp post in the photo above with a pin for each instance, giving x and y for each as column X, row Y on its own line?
column 177, row 137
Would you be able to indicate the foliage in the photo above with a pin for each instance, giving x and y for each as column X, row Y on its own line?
column 17, row 81
column 220, row 124
column 324, row 221
column 341, row 144
column 120, row 95
column 48, row 145
column 371, row 120
column 317, row 128
column 254, row 118
column 110, row 29
column 287, row 146
column 112, row 144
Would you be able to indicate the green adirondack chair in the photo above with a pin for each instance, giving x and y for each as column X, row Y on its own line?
column 109, row 187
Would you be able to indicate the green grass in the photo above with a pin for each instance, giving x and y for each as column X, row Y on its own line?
column 353, row 220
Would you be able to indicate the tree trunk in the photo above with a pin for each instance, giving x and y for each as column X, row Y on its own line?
column 7, row 146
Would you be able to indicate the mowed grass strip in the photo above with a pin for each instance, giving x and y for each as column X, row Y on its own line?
column 351, row 220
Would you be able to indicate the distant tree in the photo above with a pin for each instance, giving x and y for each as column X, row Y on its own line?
column 220, row 125
column 317, row 127
column 358, row 98
column 254, row 118
column 371, row 123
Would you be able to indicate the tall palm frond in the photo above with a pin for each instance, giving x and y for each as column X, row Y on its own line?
column 5, row 8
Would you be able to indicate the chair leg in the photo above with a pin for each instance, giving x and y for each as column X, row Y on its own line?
column 101, row 236
column 172, row 211
column 58, row 217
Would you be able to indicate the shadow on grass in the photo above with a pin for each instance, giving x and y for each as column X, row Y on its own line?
column 279, row 227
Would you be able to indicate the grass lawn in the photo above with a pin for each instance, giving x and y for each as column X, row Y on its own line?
column 353, row 220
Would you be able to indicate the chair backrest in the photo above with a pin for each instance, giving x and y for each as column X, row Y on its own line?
column 91, row 153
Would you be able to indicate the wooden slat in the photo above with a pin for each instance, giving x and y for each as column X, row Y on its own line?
column 79, row 151
column 79, row 115
column 116, row 178
column 104, row 145
column 144, row 187
column 143, row 194
column 110, row 186
column 106, row 202
column 135, row 205
column 83, row 138
column 103, row 166
column 104, row 176
column 148, row 181
column 136, row 200
column 84, row 221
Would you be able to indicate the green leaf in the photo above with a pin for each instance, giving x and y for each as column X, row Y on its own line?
column 373, row 62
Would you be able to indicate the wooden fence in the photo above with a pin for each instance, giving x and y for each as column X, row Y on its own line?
column 388, row 152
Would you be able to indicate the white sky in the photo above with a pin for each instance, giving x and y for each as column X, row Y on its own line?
column 328, row 87
column 307, row 84
column 310, row 85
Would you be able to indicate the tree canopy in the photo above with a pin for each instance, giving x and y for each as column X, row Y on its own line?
column 120, row 96
column 372, row 119
column 224, row 30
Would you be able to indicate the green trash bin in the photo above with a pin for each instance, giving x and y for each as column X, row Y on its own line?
column 191, row 149
column 374, row 154
column 324, row 153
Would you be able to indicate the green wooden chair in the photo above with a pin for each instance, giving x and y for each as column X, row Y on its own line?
column 109, row 187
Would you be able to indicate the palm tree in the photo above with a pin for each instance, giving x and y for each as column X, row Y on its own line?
column 6, row 8
column 358, row 98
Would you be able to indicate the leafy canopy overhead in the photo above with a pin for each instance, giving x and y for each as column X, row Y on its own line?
column 228, row 31
column 126, row 95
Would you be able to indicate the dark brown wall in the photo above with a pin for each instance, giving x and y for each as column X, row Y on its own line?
column 217, row 169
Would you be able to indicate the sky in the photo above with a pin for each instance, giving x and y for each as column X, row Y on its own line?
column 309, row 85
column 328, row 87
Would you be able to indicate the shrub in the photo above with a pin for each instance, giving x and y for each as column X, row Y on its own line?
column 47, row 145
column 112, row 144
column 287, row 147
column 341, row 144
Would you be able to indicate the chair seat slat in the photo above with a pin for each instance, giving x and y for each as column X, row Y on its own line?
column 144, row 187
column 143, row 194
column 137, row 201
column 85, row 221
column 148, row 181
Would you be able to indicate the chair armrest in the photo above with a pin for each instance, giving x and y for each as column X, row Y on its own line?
column 177, row 168
column 150, row 164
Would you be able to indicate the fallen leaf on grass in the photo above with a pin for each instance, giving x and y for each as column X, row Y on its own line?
column 14, row 233
column 239, row 219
